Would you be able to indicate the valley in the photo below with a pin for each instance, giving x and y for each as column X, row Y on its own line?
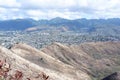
column 86, row 61
column 49, row 51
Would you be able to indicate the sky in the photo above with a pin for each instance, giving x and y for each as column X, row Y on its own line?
column 69, row 9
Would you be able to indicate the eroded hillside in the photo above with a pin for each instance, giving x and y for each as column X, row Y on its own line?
column 49, row 62
column 31, row 70
column 97, row 59
column 87, row 61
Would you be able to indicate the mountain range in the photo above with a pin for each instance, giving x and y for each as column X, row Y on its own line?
column 87, row 61
column 90, row 60
column 61, row 24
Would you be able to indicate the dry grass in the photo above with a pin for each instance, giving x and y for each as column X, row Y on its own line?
column 98, row 59
column 17, row 75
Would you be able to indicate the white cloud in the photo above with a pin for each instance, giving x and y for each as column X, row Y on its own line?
column 47, row 4
column 9, row 3
column 47, row 9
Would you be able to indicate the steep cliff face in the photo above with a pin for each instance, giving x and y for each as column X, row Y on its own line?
column 97, row 59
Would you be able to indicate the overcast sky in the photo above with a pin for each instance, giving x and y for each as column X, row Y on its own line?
column 70, row 9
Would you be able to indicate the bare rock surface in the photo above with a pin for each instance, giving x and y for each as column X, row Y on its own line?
column 114, row 76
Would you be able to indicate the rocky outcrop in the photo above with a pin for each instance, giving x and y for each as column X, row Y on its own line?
column 114, row 76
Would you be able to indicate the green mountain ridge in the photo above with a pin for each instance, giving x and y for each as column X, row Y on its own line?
column 77, row 25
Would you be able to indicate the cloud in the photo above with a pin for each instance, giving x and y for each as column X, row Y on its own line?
column 9, row 3
column 47, row 4
column 47, row 9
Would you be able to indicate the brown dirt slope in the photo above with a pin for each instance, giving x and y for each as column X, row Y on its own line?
column 98, row 59
column 29, row 69
column 48, row 62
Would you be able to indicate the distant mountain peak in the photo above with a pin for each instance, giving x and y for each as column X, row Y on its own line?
column 57, row 18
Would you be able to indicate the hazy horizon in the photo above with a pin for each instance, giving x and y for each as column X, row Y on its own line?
column 68, row 9
column 60, row 18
